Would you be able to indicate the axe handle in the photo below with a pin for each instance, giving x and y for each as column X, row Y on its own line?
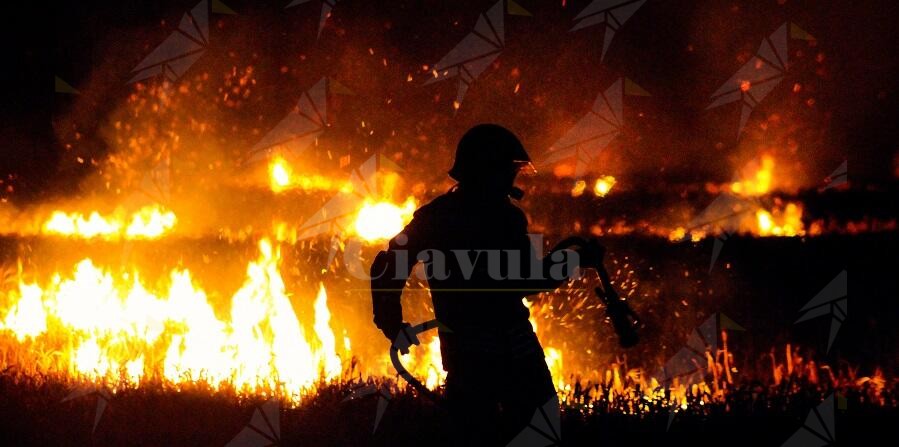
column 617, row 309
column 608, row 291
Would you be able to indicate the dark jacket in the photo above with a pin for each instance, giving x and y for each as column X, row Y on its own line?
column 490, row 266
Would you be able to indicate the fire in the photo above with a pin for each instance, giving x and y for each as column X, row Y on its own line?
column 27, row 318
column 578, row 189
column 149, row 222
column 782, row 222
column 383, row 220
column 603, row 185
column 552, row 355
column 282, row 177
column 329, row 359
column 117, row 329
column 433, row 363
column 279, row 174
column 758, row 181
column 750, row 213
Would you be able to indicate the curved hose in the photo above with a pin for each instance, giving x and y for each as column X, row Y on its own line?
column 403, row 372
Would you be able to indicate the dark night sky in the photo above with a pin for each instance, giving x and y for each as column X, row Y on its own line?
column 679, row 51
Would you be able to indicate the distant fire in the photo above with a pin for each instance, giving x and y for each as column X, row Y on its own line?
column 279, row 171
column 601, row 186
column 786, row 221
column 383, row 220
column 745, row 212
column 147, row 223
column 758, row 181
column 283, row 177
column 578, row 189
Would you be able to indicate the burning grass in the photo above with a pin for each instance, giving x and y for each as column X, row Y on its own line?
column 39, row 409
column 735, row 385
column 270, row 336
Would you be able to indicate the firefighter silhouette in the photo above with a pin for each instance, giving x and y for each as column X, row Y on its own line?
column 496, row 372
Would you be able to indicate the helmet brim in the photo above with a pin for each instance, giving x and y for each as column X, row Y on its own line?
column 525, row 167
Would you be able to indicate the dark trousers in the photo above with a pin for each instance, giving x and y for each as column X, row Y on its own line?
column 492, row 398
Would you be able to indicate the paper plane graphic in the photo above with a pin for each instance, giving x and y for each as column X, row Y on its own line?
column 337, row 214
column 475, row 52
column 384, row 398
column 611, row 13
column 819, row 429
column 831, row 301
column 264, row 428
column 594, row 131
column 760, row 75
column 692, row 357
column 61, row 86
column 298, row 130
column 724, row 215
column 177, row 53
column 103, row 398
column 156, row 183
column 838, row 177
column 327, row 6
column 545, row 428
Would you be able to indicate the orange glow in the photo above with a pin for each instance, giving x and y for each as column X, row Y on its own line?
column 751, row 215
column 279, row 174
column 552, row 355
column 578, row 189
column 781, row 222
column 282, row 177
column 383, row 220
column 758, row 181
column 149, row 222
column 425, row 361
column 603, row 185
column 118, row 330
column 563, row 170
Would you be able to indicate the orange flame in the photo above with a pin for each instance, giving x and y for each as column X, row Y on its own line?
column 282, row 177
column 603, row 185
column 149, row 222
column 117, row 330
column 383, row 220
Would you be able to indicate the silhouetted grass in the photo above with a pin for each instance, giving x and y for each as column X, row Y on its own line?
column 33, row 412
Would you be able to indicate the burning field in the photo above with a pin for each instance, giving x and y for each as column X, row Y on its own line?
column 185, row 262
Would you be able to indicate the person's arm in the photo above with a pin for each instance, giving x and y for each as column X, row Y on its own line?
column 389, row 272
column 554, row 269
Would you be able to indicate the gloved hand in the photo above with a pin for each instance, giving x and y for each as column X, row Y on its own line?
column 402, row 337
column 591, row 255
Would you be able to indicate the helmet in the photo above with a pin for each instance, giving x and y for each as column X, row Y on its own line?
column 486, row 150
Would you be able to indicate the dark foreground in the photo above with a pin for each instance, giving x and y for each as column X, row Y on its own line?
column 35, row 412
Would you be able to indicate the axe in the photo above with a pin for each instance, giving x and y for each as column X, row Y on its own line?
column 624, row 319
